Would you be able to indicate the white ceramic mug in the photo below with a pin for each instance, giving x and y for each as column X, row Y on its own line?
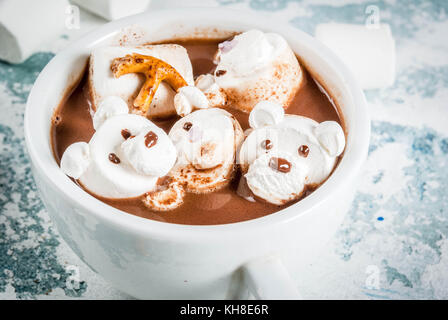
column 156, row 260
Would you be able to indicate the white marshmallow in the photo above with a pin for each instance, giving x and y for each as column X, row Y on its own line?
column 256, row 66
column 76, row 159
column 110, row 106
column 215, row 95
column 25, row 25
column 103, row 83
column 331, row 137
column 369, row 52
column 189, row 98
column 110, row 180
column 155, row 160
column 113, row 9
column 205, row 139
column 266, row 113
column 275, row 186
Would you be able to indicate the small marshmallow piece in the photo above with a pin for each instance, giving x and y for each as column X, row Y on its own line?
column 331, row 137
column 266, row 113
column 150, row 152
column 275, row 186
column 215, row 95
column 109, row 107
column 76, row 159
column 368, row 51
column 113, row 9
column 188, row 98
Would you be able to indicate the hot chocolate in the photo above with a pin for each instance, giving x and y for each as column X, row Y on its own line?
column 234, row 192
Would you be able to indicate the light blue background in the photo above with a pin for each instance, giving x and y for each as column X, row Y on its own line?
column 397, row 228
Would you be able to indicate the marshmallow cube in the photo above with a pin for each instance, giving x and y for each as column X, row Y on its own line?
column 113, row 9
column 25, row 24
column 369, row 52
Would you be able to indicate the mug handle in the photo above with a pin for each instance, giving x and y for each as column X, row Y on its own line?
column 268, row 279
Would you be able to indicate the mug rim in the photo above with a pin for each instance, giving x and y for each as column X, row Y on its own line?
column 348, row 167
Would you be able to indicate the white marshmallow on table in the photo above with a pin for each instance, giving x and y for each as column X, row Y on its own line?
column 102, row 82
column 206, row 141
column 189, row 98
column 108, row 107
column 113, row 9
column 369, row 52
column 256, row 66
column 303, row 142
column 117, row 177
column 215, row 95
column 26, row 24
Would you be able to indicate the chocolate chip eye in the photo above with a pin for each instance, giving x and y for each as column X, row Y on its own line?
column 150, row 139
column 220, row 73
column 113, row 158
column 126, row 134
column 280, row 164
column 187, row 126
column 303, row 151
column 267, row 144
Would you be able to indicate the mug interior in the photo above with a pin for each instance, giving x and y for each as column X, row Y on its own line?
column 60, row 76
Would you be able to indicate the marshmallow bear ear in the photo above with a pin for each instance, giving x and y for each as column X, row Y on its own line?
column 188, row 98
column 109, row 107
column 331, row 137
column 266, row 113
column 76, row 159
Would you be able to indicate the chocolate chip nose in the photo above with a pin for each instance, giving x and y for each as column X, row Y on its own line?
column 280, row 164
column 150, row 139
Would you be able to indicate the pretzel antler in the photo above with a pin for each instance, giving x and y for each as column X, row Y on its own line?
column 155, row 71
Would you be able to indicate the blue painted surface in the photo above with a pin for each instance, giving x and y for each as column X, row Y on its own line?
column 404, row 181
